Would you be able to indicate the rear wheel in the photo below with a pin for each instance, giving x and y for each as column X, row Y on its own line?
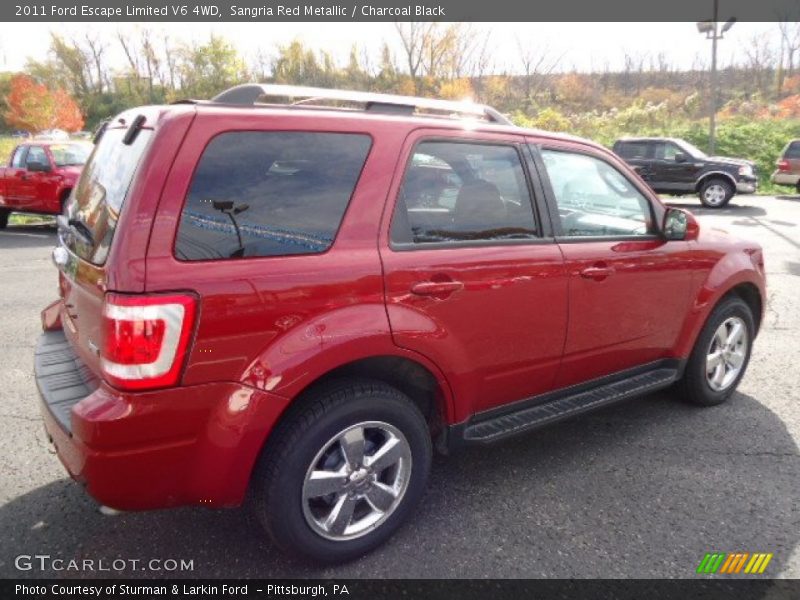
column 342, row 473
column 721, row 354
column 716, row 192
column 4, row 214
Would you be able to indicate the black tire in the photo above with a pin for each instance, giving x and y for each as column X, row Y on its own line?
column 797, row 187
column 4, row 214
column 716, row 192
column 280, row 473
column 695, row 386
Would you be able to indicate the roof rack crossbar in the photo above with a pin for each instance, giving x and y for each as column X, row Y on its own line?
column 248, row 94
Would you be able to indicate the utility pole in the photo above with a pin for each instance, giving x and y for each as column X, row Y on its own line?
column 712, row 123
column 714, row 33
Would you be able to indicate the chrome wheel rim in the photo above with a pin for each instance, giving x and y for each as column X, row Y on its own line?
column 726, row 354
column 356, row 481
column 715, row 194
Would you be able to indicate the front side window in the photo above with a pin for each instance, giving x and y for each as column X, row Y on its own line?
column 463, row 192
column 258, row 193
column 36, row 154
column 667, row 151
column 594, row 199
column 16, row 160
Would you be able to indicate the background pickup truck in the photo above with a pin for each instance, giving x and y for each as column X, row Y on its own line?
column 39, row 176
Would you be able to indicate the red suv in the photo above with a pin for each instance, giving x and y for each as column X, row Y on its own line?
column 297, row 303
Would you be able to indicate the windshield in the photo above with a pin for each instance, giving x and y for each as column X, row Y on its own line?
column 691, row 150
column 101, row 191
column 65, row 155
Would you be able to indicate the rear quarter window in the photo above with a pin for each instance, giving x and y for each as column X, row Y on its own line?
column 631, row 149
column 269, row 194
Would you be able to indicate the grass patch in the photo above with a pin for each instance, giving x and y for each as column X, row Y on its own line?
column 24, row 219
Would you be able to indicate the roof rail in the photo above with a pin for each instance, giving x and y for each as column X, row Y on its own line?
column 251, row 94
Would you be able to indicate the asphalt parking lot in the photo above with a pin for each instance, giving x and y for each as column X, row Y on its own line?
column 643, row 489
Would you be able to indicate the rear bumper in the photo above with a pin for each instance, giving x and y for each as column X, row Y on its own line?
column 783, row 178
column 170, row 447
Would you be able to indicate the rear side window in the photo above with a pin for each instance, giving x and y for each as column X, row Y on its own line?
column 631, row 149
column 463, row 192
column 269, row 194
column 101, row 191
column 792, row 150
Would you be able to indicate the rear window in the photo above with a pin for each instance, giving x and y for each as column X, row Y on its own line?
column 269, row 194
column 98, row 198
column 792, row 150
column 65, row 155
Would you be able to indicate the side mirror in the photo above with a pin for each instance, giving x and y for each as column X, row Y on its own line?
column 680, row 225
column 680, row 157
column 37, row 167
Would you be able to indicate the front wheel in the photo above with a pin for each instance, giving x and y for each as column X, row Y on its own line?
column 721, row 354
column 716, row 193
column 342, row 473
column 4, row 214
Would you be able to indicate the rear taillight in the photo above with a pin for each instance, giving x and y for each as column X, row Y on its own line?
column 145, row 339
column 783, row 165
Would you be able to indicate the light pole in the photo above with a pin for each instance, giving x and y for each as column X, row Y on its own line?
column 714, row 33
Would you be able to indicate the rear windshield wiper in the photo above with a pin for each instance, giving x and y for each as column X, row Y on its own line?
column 78, row 227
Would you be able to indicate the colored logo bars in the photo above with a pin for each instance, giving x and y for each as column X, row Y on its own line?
column 733, row 563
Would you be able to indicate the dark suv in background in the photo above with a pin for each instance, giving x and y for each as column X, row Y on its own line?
column 674, row 166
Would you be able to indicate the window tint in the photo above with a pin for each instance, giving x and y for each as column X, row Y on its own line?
column 792, row 151
column 269, row 194
column 16, row 160
column 455, row 192
column 36, row 154
column 594, row 199
column 632, row 149
column 666, row 151
column 102, row 189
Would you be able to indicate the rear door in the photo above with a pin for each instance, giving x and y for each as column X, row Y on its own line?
column 629, row 287
column 638, row 154
column 94, row 212
column 474, row 280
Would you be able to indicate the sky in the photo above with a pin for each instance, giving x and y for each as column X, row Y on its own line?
column 577, row 46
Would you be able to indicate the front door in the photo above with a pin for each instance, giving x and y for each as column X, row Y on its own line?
column 473, row 278
column 672, row 168
column 629, row 287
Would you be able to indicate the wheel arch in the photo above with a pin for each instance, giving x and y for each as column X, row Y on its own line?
column 715, row 175
column 417, row 381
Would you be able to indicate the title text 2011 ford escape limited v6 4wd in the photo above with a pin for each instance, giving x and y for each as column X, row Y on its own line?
column 300, row 301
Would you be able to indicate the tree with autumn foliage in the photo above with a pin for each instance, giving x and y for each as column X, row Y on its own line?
column 32, row 107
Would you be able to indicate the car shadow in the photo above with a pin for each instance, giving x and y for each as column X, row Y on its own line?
column 28, row 236
column 730, row 210
column 643, row 489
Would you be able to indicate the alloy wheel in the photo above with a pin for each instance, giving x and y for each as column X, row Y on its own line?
column 356, row 481
column 726, row 354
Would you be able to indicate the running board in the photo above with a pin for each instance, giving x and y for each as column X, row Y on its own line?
column 562, row 407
